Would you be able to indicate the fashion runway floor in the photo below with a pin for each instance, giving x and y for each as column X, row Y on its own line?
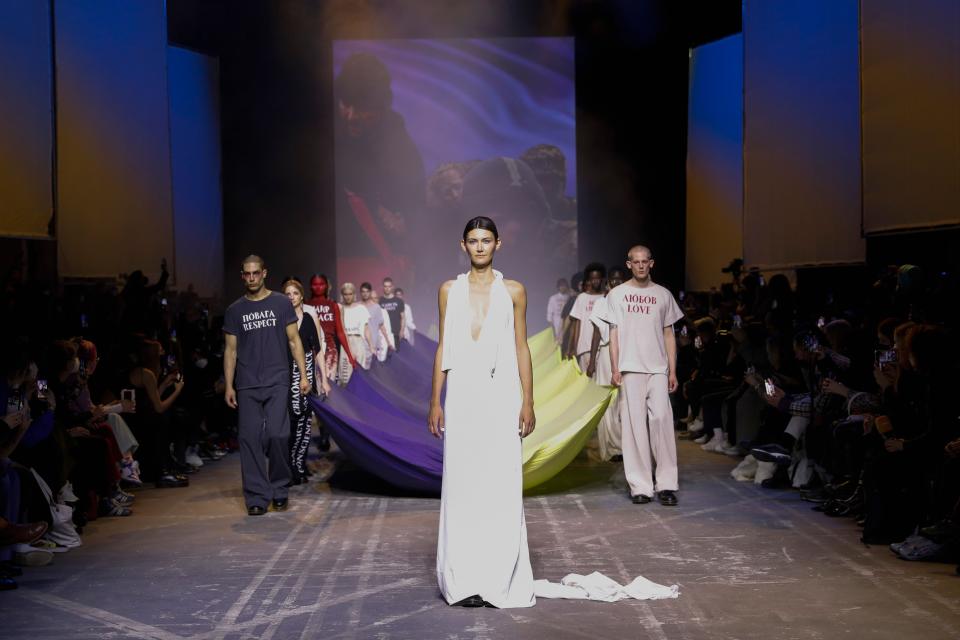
column 342, row 563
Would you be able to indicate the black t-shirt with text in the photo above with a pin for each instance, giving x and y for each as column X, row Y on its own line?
column 263, row 354
column 394, row 308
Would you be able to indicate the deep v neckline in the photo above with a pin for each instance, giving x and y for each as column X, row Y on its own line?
column 486, row 313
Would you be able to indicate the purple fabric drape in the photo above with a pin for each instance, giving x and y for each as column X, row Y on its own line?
column 379, row 419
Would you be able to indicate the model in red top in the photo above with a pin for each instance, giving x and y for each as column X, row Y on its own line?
column 328, row 313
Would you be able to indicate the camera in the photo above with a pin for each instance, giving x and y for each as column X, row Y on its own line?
column 735, row 267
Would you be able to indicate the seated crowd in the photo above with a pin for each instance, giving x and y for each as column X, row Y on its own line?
column 134, row 399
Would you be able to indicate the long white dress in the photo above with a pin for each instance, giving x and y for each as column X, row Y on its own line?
column 482, row 544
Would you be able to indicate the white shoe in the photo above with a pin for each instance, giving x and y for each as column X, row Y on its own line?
column 732, row 450
column 696, row 426
column 716, row 443
column 745, row 471
column 765, row 471
column 67, row 494
column 702, row 439
column 192, row 458
column 31, row 557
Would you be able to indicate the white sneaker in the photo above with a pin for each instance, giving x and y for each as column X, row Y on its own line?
column 31, row 557
column 765, row 471
column 67, row 494
column 192, row 458
column 716, row 443
column 745, row 471
column 702, row 439
column 733, row 450
column 696, row 426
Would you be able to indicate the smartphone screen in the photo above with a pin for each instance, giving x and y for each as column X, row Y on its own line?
column 682, row 295
column 41, row 389
column 737, row 321
column 126, row 395
column 698, row 343
column 171, row 362
column 768, row 386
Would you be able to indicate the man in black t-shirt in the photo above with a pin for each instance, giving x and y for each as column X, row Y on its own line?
column 394, row 307
column 261, row 333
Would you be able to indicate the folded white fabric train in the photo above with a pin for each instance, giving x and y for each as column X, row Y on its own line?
column 597, row 586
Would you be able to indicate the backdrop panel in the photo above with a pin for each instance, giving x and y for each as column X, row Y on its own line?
column 911, row 114
column 430, row 133
column 194, row 84
column 114, row 209
column 714, row 161
column 26, row 119
column 801, row 158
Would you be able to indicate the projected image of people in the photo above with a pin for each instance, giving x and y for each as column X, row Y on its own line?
column 379, row 173
column 430, row 132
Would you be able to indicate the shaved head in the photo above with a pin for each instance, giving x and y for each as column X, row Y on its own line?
column 253, row 259
column 639, row 248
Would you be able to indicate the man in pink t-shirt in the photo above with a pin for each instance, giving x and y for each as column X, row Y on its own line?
column 643, row 357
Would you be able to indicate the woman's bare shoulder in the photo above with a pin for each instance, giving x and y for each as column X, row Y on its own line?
column 516, row 289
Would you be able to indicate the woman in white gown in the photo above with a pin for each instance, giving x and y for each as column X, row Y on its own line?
column 482, row 555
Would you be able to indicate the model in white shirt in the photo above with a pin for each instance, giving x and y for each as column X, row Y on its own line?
column 643, row 359
column 409, row 328
column 598, row 368
column 580, row 327
column 555, row 308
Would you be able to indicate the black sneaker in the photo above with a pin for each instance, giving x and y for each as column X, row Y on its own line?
column 170, row 481
column 772, row 453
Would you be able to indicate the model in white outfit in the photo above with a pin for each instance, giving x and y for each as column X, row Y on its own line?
column 482, row 555
column 608, row 431
column 555, row 308
column 643, row 357
column 356, row 326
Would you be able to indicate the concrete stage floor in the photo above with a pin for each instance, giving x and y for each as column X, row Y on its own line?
column 345, row 563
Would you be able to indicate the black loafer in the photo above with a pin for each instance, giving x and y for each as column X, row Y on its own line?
column 280, row 505
column 473, row 601
column 667, row 498
column 641, row 499
column 256, row 511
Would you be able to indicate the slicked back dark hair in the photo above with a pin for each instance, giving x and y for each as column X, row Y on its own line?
column 481, row 222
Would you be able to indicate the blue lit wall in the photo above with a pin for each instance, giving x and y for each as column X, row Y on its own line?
column 194, row 84
column 714, row 160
